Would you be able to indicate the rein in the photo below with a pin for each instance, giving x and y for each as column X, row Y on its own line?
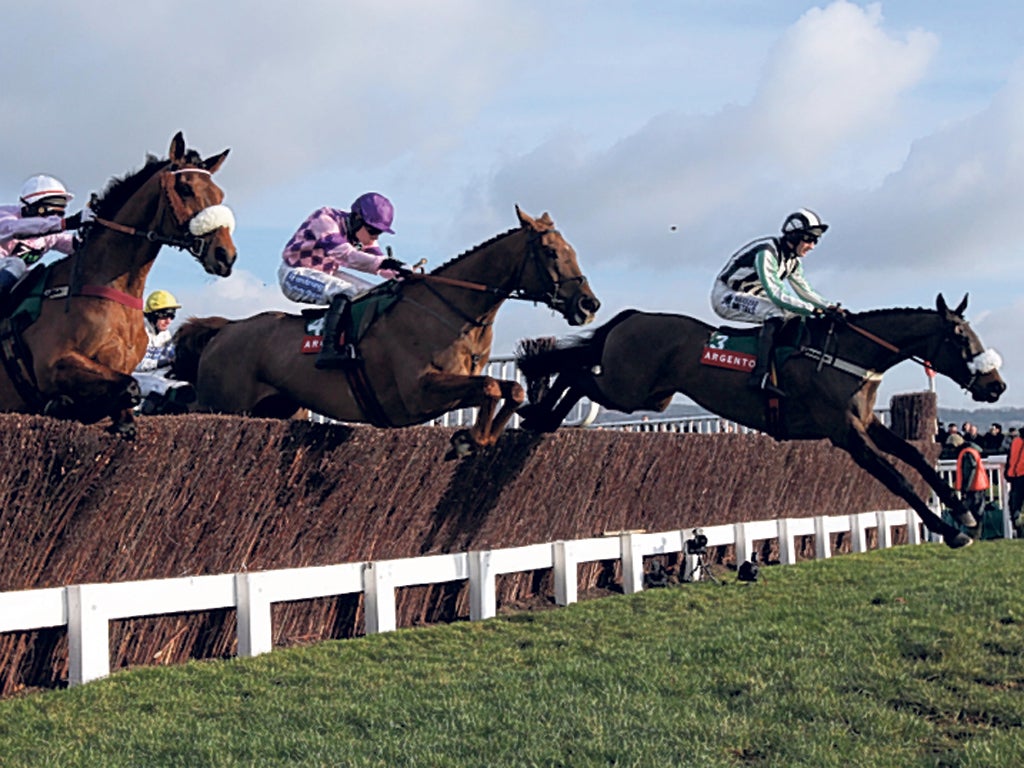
column 195, row 245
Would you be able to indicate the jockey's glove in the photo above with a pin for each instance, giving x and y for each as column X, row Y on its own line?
column 394, row 265
column 835, row 313
column 76, row 220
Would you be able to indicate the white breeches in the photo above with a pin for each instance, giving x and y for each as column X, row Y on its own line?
column 154, row 381
column 744, row 307
column 311, row 286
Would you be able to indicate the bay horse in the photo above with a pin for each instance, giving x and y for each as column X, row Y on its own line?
column 420, row 358
column 75, row 331
column 639, row 360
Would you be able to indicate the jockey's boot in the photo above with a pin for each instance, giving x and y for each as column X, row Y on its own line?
column 760, row 377
column 7, row 280
column 332, row 354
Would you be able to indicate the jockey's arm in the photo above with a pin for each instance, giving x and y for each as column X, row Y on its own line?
column 15, row 228
column 803, row 289
column 767, row 265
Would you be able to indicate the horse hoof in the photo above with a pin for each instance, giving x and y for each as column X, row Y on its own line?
column 958, row 540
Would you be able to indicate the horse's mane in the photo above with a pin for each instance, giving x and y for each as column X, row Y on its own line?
column 474, row 249
column 120, row 190
column 890, row 311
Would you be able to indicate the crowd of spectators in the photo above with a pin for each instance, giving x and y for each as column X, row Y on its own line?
column 994, row 442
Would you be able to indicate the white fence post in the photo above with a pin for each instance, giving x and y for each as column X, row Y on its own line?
column 742, row 545
column 255, row 630
column 858, row 534
column 88, row 635
column 884, row 531
column 787, row 549
column 822, row 539
column 380, row 598
column 483, row 602
column 913, row 528
column 566, row 583
column 632, row 563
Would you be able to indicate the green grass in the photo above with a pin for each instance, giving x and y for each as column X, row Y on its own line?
column 908, row 657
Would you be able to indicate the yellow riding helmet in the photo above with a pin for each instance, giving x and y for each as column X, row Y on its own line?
column 158, row 300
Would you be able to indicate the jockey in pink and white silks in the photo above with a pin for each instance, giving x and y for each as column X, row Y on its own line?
column 328, row 240
column 751, row 287
column 36, row 226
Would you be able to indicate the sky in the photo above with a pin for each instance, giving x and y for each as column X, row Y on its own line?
column 660, row 136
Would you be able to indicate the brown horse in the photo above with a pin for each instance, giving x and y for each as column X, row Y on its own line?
column 76, row 330
column 422, row 356
column 638, row 361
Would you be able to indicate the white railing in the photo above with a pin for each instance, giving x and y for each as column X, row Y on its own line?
column 87, row 609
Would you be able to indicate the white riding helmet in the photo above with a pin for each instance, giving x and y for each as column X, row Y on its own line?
column 804, row 220
column 42, row 186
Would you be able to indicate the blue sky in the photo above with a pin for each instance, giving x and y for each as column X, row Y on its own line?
column 901, row 123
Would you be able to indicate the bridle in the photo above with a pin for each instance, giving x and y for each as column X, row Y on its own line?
column 195, row 242
column 536, row 255
column 979, row 364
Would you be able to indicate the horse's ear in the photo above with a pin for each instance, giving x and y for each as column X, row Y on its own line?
column 524, row 218
column 213, row 163
column 177, row 150
column 546, row 220
column 940, row 304
column 963, row 305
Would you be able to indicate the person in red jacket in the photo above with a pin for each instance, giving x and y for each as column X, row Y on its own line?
column 1015, row 477
column 972, row 478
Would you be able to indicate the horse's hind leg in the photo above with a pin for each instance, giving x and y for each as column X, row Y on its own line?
column 867, row 456
column 896, row 446
column 551, row 411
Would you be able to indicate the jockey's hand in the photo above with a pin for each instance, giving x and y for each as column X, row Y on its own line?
column 394, row 265
column 835, row 313
column 83, row 217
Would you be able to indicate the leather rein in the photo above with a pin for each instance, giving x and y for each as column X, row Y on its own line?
column 550, row 298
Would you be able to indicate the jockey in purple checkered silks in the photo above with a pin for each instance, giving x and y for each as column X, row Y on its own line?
column 327, row 241
column 750, row 288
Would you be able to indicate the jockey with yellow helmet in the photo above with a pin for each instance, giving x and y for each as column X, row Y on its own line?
column 160, row 393
column 328, row 240
column 750, row 288
column 35, row 226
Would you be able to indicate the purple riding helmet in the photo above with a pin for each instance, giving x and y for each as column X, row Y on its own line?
column 375, row 210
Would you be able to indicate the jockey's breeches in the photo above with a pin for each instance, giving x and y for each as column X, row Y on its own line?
column 311, row 286
column 744, row 307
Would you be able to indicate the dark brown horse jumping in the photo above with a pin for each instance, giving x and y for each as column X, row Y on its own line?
column 73, row 357
column 421, row 358
column 639, row 360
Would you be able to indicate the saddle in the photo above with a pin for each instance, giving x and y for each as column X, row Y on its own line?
column 357, row 319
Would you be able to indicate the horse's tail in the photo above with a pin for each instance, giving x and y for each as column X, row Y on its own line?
column 189, row 342
column 539, row 359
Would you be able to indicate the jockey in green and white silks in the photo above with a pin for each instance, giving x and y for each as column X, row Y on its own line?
column 752, row 289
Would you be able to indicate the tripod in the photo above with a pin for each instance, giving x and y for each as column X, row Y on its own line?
column 700, row 569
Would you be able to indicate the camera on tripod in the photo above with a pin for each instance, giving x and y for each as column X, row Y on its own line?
column 698, row 545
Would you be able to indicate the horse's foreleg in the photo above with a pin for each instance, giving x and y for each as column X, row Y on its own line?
column 88, row 392
column 896, row 446
column 513, row 397
column 481, row 392
column 868, row 457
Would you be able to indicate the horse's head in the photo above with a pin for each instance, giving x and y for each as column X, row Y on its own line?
column 552, row 275
column 197, row 213
column 961, row 356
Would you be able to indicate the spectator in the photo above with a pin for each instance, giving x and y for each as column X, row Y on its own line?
column 954, row 440
column 972, row 479
column 992, row 441
column 1015, row 477
column 1011, row 433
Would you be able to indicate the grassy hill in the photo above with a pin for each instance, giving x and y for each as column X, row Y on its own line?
column 905, row 657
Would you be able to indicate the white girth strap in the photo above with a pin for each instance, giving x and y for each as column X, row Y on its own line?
column 841, row 365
